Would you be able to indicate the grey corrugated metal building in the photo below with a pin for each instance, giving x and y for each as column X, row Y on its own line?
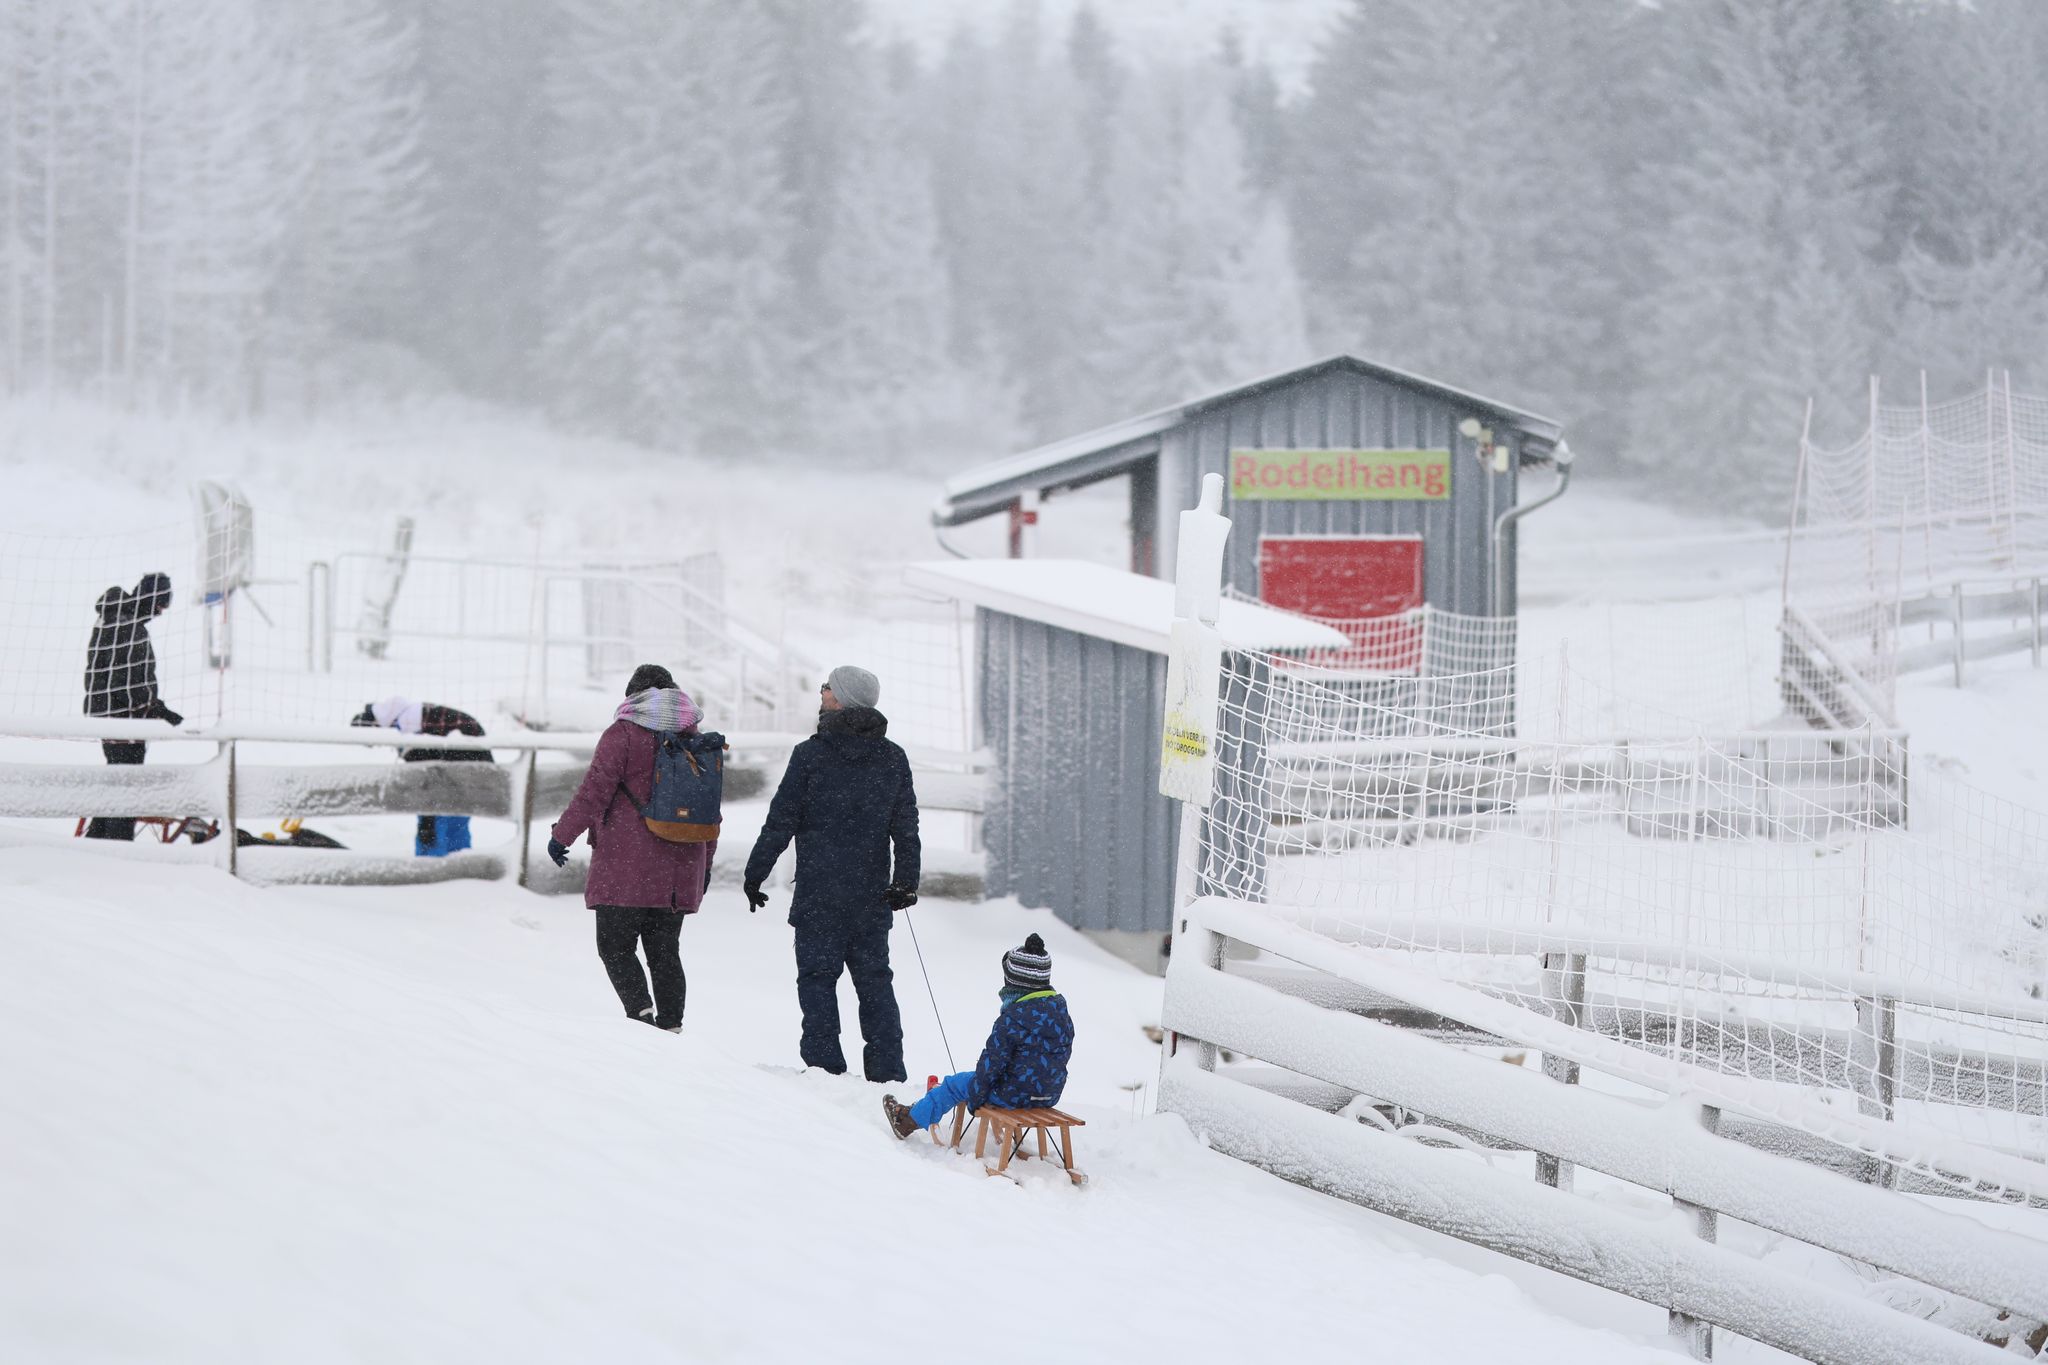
column 1072, row 669
column 1341, row 404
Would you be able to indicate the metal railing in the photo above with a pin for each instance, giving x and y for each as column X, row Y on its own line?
column 760, row 681
column 227, row 789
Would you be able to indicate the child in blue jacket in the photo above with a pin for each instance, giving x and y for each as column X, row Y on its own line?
column 1024, row 1065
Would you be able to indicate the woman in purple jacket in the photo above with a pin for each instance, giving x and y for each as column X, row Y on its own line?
column 640, row 886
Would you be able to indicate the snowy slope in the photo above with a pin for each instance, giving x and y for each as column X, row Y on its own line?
column 409, row 1125
column 332, row 1124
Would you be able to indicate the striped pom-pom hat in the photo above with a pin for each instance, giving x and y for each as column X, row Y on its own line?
column 1028, row 968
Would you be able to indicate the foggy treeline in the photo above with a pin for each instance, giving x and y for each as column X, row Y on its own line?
column 749, row 228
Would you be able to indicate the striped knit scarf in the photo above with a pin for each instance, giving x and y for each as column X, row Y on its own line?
column 660, row 708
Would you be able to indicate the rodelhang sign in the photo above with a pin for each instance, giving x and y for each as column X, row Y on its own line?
column 1340, row 475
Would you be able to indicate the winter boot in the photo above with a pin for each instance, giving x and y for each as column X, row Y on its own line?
column 899, row 1117
column 646, row 1016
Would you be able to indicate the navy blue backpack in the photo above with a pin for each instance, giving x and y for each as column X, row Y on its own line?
column 689, row 778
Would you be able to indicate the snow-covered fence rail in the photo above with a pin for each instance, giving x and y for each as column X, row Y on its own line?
column 1669, row 1147
column 227, row 787
column 1772, row 784
column 1981, row 620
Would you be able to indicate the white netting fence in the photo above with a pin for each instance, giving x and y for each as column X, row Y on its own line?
column 274, row 620
column 1932, row 495
column 1797, row 914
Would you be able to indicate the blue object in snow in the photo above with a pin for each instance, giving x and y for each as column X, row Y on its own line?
column 440, row 835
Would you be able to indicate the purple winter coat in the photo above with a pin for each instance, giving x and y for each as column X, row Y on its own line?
column 628, row 864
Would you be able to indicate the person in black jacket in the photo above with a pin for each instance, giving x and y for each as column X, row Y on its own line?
column 120, row 679
column 847, row 800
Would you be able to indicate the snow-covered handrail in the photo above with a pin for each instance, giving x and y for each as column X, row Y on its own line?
column 766, row 742
column 1258, row 927
column 1662, row 1148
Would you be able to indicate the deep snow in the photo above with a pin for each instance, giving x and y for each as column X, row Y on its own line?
column 393, row 1125
column 407, row 1124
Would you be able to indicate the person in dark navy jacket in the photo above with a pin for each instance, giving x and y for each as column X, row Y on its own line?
column 847, row 801
column 1023, row 1065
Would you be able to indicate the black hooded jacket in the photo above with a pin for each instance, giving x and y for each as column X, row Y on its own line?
column 845, row 798
column 120, row 664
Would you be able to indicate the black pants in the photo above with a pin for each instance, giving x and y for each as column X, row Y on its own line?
column 119, row 751
column 622, row 928
column 858, row 942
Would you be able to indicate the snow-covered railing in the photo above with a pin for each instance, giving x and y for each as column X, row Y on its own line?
column 1671, row 1147
column 1983, row 620
column 609, row 616
column 227, row 788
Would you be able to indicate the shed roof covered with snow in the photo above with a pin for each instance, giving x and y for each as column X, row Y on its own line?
column 1109, row 604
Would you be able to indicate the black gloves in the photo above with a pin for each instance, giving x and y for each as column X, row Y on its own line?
column 756, row 897
column 899, row 898
column 158, row 711
column 559, row 852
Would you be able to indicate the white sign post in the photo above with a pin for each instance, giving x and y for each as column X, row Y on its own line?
column 1187, row 753
column 1194, row 655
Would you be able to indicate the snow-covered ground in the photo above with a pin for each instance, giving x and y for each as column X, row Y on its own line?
column 406, row 1124
column 410, row 1125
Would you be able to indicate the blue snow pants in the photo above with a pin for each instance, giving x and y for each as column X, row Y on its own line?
column 856, row 942
column 940, row 1099
column 437, row 836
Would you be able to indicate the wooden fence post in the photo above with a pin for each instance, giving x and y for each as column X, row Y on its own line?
column 527, row 773
column 1564, row 981
column 1874, row 1047
column 1698, row 1336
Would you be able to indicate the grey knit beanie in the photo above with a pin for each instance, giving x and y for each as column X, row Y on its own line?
column 1028, row 968
column 854, row 686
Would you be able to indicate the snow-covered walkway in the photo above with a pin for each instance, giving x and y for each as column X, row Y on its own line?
column 408, row 1125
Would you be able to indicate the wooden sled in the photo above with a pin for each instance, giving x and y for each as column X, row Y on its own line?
column 1012, row 1128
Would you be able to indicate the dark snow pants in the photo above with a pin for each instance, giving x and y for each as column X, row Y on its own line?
column 859, row 943
column 118, row 751
column 622, row 928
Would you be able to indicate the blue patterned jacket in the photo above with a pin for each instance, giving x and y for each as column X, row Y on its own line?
column 1024, row 1065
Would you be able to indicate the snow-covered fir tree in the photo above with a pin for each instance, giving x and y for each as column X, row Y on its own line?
column 669, row 224
column 890, row 386
column 1765, row 291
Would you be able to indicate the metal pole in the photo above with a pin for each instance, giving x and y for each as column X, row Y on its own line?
column 228, row 831
column 1956, row 624
column 327, row 620
column 2012, row 477
column 2035, row 611
column 1798, row 490
column 1926, row 484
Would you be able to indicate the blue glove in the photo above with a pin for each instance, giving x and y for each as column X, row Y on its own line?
column 559, row 852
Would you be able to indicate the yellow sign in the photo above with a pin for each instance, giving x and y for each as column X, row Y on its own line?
column 1340, row 475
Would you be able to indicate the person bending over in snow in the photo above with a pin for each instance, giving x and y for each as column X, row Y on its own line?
column 1023, row 1066
column 435, row 836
